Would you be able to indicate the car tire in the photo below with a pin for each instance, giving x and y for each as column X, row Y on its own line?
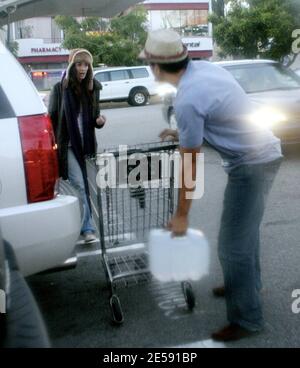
column 25, row 327
column 138, row 97
column 24, row 324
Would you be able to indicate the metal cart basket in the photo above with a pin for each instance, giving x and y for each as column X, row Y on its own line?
column 125, row 212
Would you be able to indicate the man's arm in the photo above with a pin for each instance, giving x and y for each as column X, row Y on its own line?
column 188, row 179
column 190, row 118
column 188, row 174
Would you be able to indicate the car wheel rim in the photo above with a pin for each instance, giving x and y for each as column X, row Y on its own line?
column 139, row 98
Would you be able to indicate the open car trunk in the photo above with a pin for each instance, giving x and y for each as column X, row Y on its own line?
column 23, row 9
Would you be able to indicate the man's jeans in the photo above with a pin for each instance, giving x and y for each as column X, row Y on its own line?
column 239, row 241
column 76, row 179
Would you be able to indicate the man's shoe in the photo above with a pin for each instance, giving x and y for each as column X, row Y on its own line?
column 89, row 237
column 219, row 292
column 232, row 332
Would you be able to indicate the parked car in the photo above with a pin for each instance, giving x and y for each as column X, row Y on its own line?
column 21, row 324
column 45, row 79
column 274, row 90
column 42, row 226
column 132, row 84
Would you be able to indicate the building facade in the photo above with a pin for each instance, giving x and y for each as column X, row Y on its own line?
column 189, row 18
column 39, row 39
column 39, row 43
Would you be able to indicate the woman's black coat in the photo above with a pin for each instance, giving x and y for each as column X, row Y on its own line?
column 57, row 115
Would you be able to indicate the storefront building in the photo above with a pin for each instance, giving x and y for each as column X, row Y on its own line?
column 37, row 54
column 39, row 44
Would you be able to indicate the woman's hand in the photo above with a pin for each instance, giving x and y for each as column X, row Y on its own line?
column 101, row 121
column 172, row 134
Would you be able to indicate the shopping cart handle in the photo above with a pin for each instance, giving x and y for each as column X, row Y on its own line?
column 143, row 148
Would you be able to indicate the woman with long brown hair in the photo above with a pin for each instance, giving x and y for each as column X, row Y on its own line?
column 75, row 113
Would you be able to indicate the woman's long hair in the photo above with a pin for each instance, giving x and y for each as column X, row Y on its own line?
column 81, row 89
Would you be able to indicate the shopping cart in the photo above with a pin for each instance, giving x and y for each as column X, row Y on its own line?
column 125, row 212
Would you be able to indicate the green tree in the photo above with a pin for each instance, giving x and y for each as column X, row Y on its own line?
column 218, row 7
column 120, row 44
column 132, row 26
column 257, row 28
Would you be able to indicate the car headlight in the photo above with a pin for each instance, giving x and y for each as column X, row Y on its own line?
column 165, row 89
column 267, row 118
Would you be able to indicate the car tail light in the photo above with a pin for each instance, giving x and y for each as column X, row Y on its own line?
column 40, row 157
column 39, row 74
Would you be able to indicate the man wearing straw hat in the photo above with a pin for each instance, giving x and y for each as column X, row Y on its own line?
column 210, row 105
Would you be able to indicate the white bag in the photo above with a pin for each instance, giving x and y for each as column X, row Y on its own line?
column 178, row 258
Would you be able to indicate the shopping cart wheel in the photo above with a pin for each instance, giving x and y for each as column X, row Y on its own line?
column 116, row 309
column 189, row 295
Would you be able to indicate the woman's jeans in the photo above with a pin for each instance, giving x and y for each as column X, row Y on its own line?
column 239, row 241
column 76, row 179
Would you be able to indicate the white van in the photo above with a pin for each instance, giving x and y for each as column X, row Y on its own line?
column 132, row 84
column 43, row 227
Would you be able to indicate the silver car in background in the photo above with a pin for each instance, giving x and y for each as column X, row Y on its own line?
column 274, row 89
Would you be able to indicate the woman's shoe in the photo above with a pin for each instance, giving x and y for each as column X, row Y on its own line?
column 89, row 237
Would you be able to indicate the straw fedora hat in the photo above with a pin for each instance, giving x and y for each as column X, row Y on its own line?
column 164, row 46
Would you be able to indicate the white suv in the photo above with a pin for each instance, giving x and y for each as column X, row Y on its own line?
column 132, row 84
column 42, row 226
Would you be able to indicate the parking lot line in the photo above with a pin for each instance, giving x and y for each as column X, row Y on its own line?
column 204, row 344
column 112, row 250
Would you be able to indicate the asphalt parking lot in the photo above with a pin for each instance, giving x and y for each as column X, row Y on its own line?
column 75, row 303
